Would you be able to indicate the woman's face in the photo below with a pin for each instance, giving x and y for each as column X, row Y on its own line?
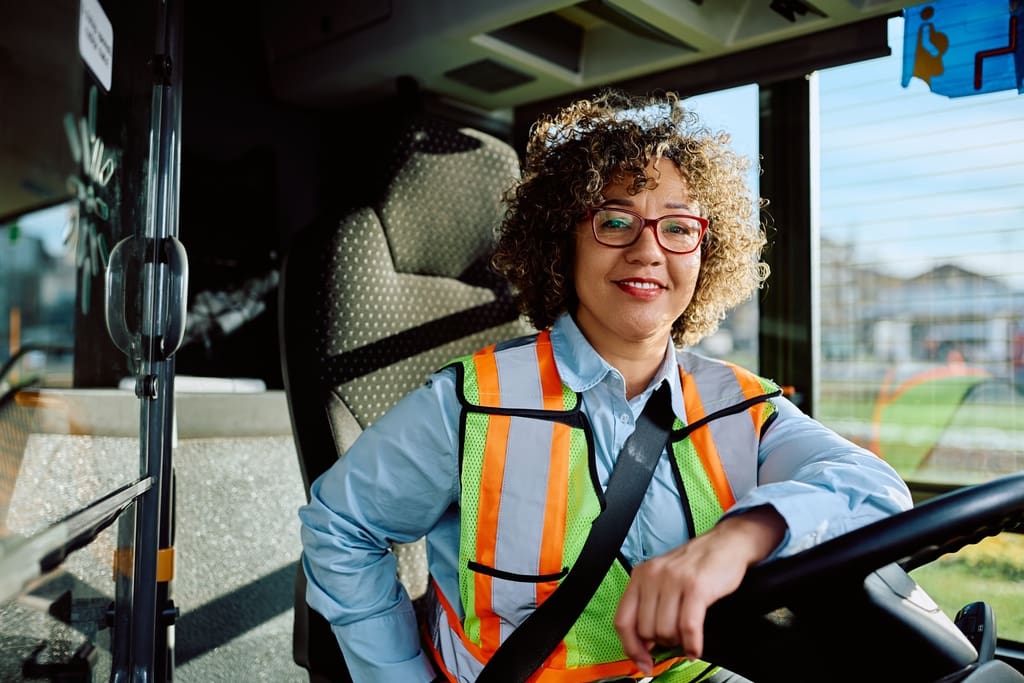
column 634, row 294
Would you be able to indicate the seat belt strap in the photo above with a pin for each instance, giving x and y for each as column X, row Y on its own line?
column 526, row 648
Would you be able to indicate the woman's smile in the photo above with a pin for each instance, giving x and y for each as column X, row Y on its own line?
column 645, row 289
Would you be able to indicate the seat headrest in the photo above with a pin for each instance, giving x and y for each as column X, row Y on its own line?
column 449, row 185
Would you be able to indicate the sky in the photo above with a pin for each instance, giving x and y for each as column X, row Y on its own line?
column 911, row 178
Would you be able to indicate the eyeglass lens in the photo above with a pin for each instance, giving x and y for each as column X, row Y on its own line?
column 616, row 228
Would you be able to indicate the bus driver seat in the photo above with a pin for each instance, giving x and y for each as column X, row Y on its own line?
column 373, row 303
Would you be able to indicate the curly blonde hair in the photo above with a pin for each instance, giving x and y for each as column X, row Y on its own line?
column 574, row 154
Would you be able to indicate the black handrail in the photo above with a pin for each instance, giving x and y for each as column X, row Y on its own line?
column 30, row 348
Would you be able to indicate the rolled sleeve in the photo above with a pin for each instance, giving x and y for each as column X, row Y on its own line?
column 822, row 484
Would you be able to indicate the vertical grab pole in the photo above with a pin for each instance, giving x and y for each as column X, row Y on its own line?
column 164, row 289
column 170, row 340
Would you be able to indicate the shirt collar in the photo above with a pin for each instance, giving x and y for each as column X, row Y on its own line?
column 581, row 368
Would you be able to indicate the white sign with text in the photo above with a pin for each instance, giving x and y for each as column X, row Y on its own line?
column 96, row 41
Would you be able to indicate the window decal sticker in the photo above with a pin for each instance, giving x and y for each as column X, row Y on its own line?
column 965, row 47
column 90, row 189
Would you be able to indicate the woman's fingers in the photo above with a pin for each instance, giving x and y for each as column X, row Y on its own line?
column 667, row 597
column 690, row 625
column 658, row 608
column 626, row 625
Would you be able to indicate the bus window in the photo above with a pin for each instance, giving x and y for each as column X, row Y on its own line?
column 37, row 269
column 921, row 217
column 735, row 111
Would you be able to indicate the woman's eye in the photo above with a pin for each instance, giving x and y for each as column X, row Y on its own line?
column 678, row 227
column 616, row 224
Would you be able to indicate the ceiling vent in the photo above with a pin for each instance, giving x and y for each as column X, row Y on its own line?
column 547, row 36
column 488, row 76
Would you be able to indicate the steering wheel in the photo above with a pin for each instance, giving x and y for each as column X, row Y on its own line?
column 846, row 609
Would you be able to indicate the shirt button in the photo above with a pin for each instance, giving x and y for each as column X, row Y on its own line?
column 624, row 419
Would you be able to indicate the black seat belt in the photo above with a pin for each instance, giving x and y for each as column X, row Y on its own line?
column 526, row 648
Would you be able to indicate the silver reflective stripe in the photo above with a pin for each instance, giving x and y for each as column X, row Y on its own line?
column 519, row 377
column 453, row 652
column 719, row 388
column 717, row 384
column 521, row 519
column 519, row 536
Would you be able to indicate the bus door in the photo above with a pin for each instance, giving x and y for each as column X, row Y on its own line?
column 93, row 286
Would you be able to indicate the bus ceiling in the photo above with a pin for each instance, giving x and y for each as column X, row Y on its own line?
column 496, row 55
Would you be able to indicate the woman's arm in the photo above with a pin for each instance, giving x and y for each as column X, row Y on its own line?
column 812, row 485
column 822, row 484
column 392, row 486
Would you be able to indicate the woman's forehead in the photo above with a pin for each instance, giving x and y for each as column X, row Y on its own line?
column 658, row 172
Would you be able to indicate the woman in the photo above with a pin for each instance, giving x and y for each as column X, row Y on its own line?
column 502, row 458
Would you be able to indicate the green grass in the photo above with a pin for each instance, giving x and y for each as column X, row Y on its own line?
column 912, row 425
column 838, row 401
column 991, row 571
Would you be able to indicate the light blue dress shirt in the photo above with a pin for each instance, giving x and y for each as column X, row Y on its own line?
column 400, row 482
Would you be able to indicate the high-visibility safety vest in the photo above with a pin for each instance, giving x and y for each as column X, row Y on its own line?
column 530, row 494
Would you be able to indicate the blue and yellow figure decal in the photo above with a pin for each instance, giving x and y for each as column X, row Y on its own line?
column 965, row 47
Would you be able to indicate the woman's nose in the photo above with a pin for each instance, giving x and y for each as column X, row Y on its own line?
column 646, row 247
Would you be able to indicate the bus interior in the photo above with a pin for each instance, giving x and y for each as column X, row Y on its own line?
column 230, row 239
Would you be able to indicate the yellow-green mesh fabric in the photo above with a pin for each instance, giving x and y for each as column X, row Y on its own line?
column 472, row 465
column 687, row 671
column 768, row 385
column 592, row 639
column 704, row 506
column 470, row 387
column 569, row 398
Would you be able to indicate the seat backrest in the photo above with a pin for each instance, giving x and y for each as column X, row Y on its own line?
column 372, row 304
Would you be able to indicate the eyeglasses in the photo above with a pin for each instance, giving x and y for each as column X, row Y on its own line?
column 679, row 234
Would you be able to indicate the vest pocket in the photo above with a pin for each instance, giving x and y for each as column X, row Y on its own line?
column 511, row 596
column 514, row 576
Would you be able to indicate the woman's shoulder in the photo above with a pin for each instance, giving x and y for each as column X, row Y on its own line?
column 691, row 361
column 695, row 363
column 506, row 346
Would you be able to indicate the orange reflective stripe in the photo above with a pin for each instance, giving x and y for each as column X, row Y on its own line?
column 751, row 387
column 555, row 507
column 553, row 542
column 490, row 497
column 704, row 444
column 551, row 383
column 757, row 415
column 487, row 377
column 552, row 548
column 749, row 383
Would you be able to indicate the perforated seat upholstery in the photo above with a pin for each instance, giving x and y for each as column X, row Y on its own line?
column 374, row 303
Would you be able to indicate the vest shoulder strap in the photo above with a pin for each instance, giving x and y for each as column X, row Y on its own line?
column 517, row 375
column 722, row 383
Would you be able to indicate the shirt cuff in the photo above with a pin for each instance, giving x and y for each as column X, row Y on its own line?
column 402, row 660
column 807, row 524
